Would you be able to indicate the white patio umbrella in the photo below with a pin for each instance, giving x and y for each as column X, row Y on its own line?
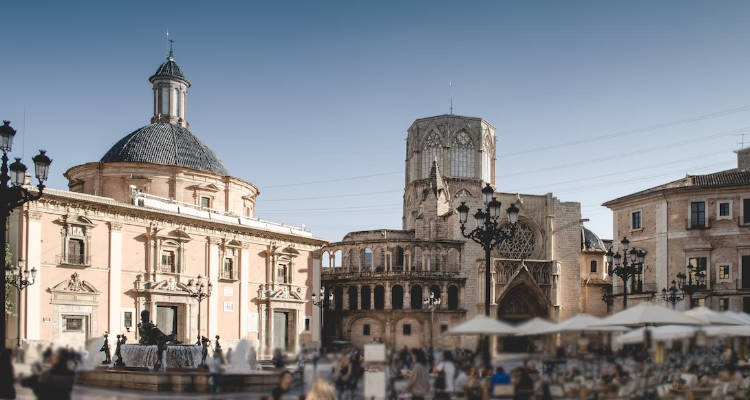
column 645, row 314
column 534, row 326
column 728, row 330
column 482, row 325
column 581, row 323
column 710, row 317
column 744, row 317
column 659, row 333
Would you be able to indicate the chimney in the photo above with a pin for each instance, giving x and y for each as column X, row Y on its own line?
column 743, row 159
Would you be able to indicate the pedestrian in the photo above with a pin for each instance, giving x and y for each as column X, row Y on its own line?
column 446, row 374
column 278, row 359
column 214, row 368
column 419, row 379
column 321, row 390
column 285, row 383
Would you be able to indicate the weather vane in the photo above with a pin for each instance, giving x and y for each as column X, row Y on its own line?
column 171, row 45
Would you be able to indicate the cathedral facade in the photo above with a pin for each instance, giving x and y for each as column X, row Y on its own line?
column 143, row 227
column 382, row 280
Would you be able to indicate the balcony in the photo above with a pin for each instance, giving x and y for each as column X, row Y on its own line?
column 343, row 274
column 691, row 225
column 75, row 260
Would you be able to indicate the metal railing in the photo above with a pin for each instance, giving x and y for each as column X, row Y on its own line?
column 341, row 273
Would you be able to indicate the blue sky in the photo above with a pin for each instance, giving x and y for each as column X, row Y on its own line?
column 591, row 100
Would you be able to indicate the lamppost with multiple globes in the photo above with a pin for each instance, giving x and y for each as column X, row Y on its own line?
column 607, row 297
column 672, row 295
column 199, row 291
column 692, row 282
column 20, row 278
column 627, row 266
column 11, row 197
column 321, row 301
column 489, row 233
column 432, row 303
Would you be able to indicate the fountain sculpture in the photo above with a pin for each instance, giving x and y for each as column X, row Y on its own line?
column 158, row 362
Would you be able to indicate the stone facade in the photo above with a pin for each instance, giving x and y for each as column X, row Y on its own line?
column 133, row 236
column 449, row 158
column 701, row 220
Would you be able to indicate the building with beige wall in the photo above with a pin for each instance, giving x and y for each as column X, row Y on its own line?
column 380, row 279
column 139, row 226
column 699, row 220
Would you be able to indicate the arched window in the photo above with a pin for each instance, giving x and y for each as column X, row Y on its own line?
column 431, row 150
column 379, row 297
column 365, row 297
column 367, row 262
column 452, row 297
column 593, row 265
column 462, row 156
column 338, row 298
column 397, row 297
column 337, row 258
column 398, row 258
column 325, row 260
column 416, row 297
column 352, row 292
column 435, row 291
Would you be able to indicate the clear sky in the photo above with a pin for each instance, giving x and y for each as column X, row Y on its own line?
column 591, row 100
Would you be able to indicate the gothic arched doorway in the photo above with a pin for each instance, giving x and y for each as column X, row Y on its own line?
column 520, row 300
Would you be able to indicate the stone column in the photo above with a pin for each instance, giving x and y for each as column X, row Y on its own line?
column 316, row 309
column 359, row 297
column 115, row 276
column 387, row 296
column 212, row 275
column 372, row 297
column 345, row 298
column 244, row 277
column 33, row 260
column 407, row 296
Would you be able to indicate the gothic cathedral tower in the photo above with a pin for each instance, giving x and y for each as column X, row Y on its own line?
column 447, row 157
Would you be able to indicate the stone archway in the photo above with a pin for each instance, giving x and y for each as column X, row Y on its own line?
column 520, row 300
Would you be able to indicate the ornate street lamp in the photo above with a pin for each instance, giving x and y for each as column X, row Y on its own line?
column 672, row 295
column 489, row 234
column 607, row 297
column 627, row 266
column 19, row 279
column 322, row 301
column 199, row 291
column 11, row 197
column 432, row 303
column 689, row 286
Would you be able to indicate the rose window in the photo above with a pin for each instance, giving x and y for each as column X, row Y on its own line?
column 520, row 246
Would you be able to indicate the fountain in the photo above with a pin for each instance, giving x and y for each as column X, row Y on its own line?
column 160, row 363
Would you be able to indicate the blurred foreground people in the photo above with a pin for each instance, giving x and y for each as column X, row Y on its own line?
column 321, row 390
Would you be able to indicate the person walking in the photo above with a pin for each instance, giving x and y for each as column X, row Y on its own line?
column 446, row 374
column 419, row 380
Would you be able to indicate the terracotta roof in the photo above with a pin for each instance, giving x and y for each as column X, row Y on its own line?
column 726, row 178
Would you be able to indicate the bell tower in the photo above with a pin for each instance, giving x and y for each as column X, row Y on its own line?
column 170, row 92
column 460, row 149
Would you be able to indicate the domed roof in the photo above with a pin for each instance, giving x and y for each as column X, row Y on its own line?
column 169, row 69
column 168, row 144
column 591, row 242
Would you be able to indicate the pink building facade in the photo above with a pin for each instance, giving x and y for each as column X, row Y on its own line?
column 139, row 226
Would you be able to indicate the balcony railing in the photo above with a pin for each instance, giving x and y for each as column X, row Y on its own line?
column 72, row 259
column 341, row 273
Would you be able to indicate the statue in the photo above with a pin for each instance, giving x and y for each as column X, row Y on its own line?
column 118, row 355
column 105, row 348
column 205, row 343
column 218, row 353
column 151, row 335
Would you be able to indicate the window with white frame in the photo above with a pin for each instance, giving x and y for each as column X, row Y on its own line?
column 724, row 209
column 168, row 260
column 432, row 150
column 230, row 261
column 699, row 271
column 724, row 273
column 282, row 273
column 76, row 240
column 462, row 156
column 205, row 202
column 698, row 214
column 635, row 220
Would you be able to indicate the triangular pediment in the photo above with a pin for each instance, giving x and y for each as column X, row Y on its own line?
column 205, row 188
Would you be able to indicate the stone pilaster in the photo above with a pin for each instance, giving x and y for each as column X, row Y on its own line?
column 212, row 274
column 33, row 260
column 244, row 277
column 114, row 294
